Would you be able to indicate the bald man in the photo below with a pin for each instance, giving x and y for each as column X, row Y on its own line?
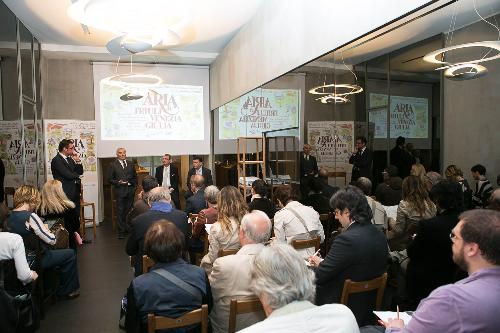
column 230, row 277
column 123, row 178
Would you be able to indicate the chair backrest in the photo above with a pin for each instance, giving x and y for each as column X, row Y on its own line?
column 237, row 307
column 147, row 263
column 300, row 244
column 324, row 217
column 194, row 317
column 9, row 191
column 339, row 174
column 351, row 287
column 223, row 253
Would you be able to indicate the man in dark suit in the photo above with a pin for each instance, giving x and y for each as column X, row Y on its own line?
column 123, row 178
column 401, row 158
column 67, row 168
column 361, row 160
column 198, row 169
column 308, row 169
column 161, row 209
column 168, row 176
column 326, row 189
column 359, row 253
column 196, row 202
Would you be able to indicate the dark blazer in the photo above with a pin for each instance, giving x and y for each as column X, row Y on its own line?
column 174, row 176
column 116, row 172
column 140, row 226
column 318, row 202
column 196, row 202
column 308, row 166
column 403, row 160
column 328, row 190
column 431, row 259
column 362, row 164
column 68, row 173
column 262, row 204
column 206, row 173
column 359, row 253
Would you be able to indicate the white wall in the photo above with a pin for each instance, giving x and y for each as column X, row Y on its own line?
column 285, row 34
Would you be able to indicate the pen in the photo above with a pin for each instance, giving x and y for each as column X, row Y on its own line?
column 316, row 253
column 397, row 308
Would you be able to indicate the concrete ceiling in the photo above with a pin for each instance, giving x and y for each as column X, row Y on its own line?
column 214, row 24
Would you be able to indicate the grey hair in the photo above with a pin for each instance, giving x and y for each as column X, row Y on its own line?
column 250, row 229
column 433, row 177
column 365, row 184
column 281, row 273
column 159, row 194
column 211, row 193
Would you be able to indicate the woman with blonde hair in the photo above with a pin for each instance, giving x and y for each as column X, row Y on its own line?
column 24, row 222
column 416, row 205
column 418, row 170
column 56, row 207
column 224, row 233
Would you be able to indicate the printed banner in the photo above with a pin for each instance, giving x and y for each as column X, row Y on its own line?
column 260, row 111
column 84, row 137
column 332, row 142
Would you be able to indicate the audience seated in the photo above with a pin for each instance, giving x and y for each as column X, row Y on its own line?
column 389, row 192
column 454, row 173
column 431, row 263
column 415, row 206
column 327, row 189
column 495, row 200
column 378, row 211
column 285, row 287
column 207, row 215
column 418, row 170
column 259, row 199
column 230, row 277
column 319, row 202
column 55, row 207
column 431, row 178
column 141, row 204
column 160, row 201
column 224, row 233
column 294, row 220
column 172, row 287
column 483, row 188
column 12, row 247
column 471, row 304
column 196, row 202
column 359, row 253
column 25, row 222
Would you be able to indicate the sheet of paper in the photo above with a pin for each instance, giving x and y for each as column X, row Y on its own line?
column 386, row 315
column 207, row 228
column 391, row 211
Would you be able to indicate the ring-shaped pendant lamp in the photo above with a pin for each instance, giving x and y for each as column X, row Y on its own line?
column 352, row 89
column 133, row 80
column 472, row 71
column 336, row 99
column 493, row 44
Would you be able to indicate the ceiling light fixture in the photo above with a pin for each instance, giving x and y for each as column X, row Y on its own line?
column 464, row 72
column 336, row 99
column 350, row 89
column 133, row 80
column 491, row 45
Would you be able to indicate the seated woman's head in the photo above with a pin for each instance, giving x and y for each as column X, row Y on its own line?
column 453, row 172
column 211, row 193
column 53, row 198
column 230, row 204
column 164, row 242
column 259, row 187
column 415, row 193
column 350, row 205
column 283, row 194
column 27, row 197
column 418, row 170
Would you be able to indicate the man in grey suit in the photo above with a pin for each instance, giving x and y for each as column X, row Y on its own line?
column 123, row 178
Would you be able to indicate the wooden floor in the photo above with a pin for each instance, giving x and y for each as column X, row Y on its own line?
column 105, row 274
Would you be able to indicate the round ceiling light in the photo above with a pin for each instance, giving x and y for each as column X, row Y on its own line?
column 464, row 72
column 334, row 89
column 133, row 80
column 492, row 45
column 335, row 99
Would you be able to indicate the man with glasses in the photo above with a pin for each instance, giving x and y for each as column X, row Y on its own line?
column 471, row 304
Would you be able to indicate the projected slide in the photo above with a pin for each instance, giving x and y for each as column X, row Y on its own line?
column 409, row 116
column 260, row 111
column 163, row 112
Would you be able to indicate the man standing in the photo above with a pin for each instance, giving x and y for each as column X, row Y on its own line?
column 483, row 187
column 308, row 169
column 123, row 178
column 196, row 202
column 361, row 160
column 471, row 304
column 168, row 176
column 230, row 277
column 401, row 158
column 67, row 168
column 198, row 169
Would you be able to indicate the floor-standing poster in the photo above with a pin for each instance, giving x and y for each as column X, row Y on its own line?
column 83, row 135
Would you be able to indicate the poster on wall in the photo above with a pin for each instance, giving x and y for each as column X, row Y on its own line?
column 260, row 111
column 83, row 135
column 409, row 116
column 11, row 152
column 332, row 142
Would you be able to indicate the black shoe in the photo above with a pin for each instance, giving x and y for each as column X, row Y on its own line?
column 69, row 296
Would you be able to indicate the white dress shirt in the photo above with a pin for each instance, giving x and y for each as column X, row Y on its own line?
column 166, row 176
column 12, row 247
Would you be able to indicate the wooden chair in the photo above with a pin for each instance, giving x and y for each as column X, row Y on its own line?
column 83, row 219
column 339, row 174
column 147, row 263
column 194, row 317
column 237, row 307
column 223, row 253
column 351, row 287
column 300, row 244
column 9, row 191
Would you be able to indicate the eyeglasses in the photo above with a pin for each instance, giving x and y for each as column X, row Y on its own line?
column 453, row 236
